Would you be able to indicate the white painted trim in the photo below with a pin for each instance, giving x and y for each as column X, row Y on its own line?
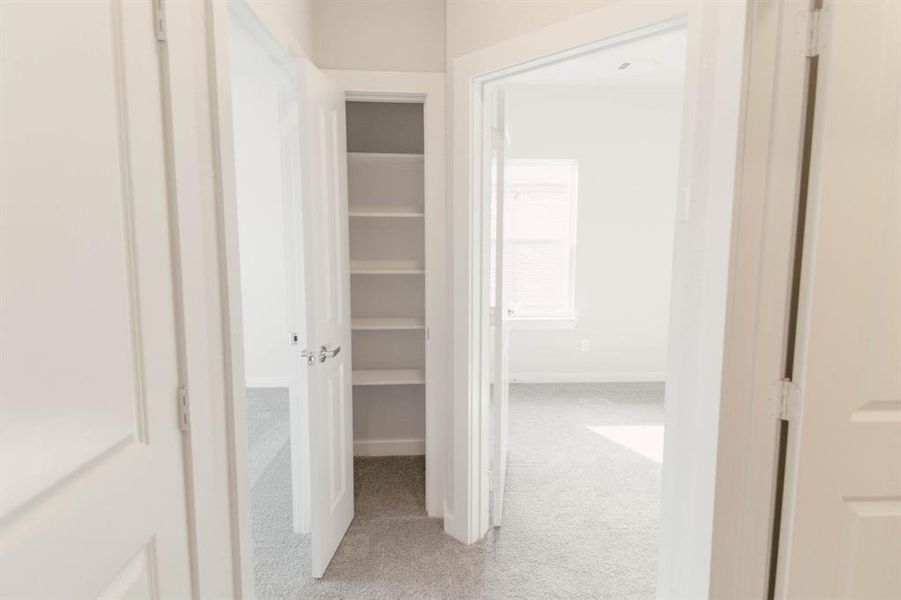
column 429, row 89
column 230, row 298
column 266, row 382
column 213, row 508
column 412, row 447
column 757, row 320
column 589, row 377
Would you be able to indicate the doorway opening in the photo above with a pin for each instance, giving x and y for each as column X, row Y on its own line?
column 582, row 162
column 266, row 125
column 333, row 287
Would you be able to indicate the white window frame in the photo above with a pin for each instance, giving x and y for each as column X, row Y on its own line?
column 567, row 318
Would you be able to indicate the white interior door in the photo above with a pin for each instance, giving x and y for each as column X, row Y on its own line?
column 92, row 502
column 501, row 313
column 842, row 531
column 328, row 321
column 298, row 373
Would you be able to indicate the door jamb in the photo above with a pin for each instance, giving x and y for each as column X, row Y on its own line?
column 226, row 231
column 760, row 290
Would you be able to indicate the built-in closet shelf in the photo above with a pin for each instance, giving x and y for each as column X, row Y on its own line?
column 384, row 156
column 386, row 323
column 389, row 377
column 385, row 267
column 384, row 213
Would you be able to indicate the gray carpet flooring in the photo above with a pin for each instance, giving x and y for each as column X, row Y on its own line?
column 580, row 521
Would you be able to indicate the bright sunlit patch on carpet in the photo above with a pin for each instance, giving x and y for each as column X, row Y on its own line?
column 646, row 440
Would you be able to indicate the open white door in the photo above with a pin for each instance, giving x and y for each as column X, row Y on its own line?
column 328, row 316
column 92, row 501
column 500, row 314
column 841, row 536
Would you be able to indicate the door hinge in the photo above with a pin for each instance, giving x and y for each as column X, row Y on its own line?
column 811, row 31
column 184, row 409
column 159, row 21
column 785, row 396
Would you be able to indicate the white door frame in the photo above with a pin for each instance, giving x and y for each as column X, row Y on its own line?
column 469, row 520
column 428, row 89
column 217, row 15
column 295, row 267
column 716, row 540
column 760, row 288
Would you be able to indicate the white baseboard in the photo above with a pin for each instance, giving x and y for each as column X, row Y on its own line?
column 415, row 447
column 589, row 377
column 266, row 382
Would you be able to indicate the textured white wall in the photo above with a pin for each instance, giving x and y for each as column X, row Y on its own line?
column 379, row 35
column 626, row 142
column 261, row 230
column 290, row 21
column 413, row 35
column 476, row 24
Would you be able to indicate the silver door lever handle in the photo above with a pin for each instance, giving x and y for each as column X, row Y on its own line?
column 309, row 355
column 325, row 353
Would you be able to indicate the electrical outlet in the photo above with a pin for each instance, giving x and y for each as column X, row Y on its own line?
column 585, row 345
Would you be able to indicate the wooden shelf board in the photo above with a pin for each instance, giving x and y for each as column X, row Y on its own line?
column 384, row 213
column 378, row 267
column 386, row 323
column 389, row 377
column 384, row 155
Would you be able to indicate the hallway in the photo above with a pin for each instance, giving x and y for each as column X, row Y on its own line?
column 581, row 516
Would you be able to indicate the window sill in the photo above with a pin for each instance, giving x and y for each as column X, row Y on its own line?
column 544, row 323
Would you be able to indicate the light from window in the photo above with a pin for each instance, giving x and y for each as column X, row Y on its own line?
column 540, row 223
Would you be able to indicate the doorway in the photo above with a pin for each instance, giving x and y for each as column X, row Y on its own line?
column 584, row 162
column 266, row 134
column 710, row 124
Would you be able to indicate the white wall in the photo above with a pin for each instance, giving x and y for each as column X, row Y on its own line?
column 626, row 142
column 261, row 229
column 291, row 22
column 380, row 35
column 410, row 35
column 476, row 24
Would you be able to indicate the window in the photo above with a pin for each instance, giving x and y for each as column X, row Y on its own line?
column 540, row 221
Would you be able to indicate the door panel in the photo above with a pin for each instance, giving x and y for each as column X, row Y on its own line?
column 339, row 461
column 90, row 449
column 328, row 318
column 842, row 537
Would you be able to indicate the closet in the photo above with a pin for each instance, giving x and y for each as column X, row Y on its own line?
column 386, row 196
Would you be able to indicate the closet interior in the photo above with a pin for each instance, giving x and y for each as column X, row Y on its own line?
column 385, row 146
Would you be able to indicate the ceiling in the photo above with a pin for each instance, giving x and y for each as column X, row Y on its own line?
column 658, row 60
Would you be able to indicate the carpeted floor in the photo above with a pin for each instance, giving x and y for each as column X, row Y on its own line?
column 581, row 510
